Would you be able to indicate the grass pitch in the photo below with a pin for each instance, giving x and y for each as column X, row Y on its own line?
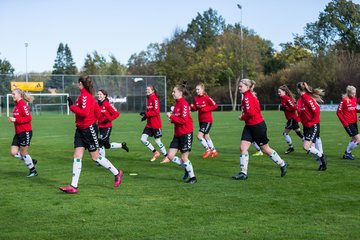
column 155, row 204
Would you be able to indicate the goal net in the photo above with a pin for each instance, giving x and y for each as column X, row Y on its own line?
column 44, row 103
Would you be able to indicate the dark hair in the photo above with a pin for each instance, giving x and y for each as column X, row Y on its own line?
column 183, row 88
column 88, row 84
column 104, row 92
column 154, row 89
column 287, row 91
column 316, row 93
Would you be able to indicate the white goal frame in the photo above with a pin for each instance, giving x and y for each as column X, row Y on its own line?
column 66, row 95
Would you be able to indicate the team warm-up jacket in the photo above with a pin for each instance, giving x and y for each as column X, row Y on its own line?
column 153, row 112
column 183, row 123
column 251, row 112
column 309, row 111
column 86, row 110
column 204, row 105
column 290, row 108
column 23, row 117
column 347, row 110
column 107, row 112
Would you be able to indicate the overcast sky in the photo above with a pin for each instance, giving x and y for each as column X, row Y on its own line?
column 122, row 28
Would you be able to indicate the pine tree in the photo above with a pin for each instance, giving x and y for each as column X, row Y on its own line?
column 59, row 65
column 70, row 67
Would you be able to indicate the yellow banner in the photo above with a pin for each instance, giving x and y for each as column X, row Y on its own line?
column 28, row 86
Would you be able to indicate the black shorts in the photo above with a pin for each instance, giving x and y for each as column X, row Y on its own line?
column 255, row 133
column 183, row 143
column 153, row 132
column 352, row 129
column 22, row 139
column 87, row 138
column 311, row 133
column 292, row 124
column 104, row 138
column 205, row 127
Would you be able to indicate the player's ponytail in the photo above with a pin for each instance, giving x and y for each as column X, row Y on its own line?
column 249, row 83
column 183, row 88
column 287, row 91
column 154, row 90
column 24, row 95
column 88, row 84
column 316, row 93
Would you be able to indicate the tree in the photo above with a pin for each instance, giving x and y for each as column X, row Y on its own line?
column 59, row 65
column 97, row 65
column 5, row 67
column 70, row 67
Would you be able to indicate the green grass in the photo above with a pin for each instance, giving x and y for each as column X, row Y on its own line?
column 155, row 204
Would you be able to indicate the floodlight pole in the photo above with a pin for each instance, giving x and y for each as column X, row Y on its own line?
column 241, row 42
column 26, row 71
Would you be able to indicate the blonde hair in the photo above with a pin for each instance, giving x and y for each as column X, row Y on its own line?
column 24, row 95
column 316, row 93
column 287, row 91
column 349, row 89
column 202, row 86
column 249, row 83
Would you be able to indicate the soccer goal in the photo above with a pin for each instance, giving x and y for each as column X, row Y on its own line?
column 45, row 102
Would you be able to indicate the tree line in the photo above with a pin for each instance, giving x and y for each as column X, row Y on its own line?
column 326, row 55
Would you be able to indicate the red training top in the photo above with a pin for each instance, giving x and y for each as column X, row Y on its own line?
column 183, row 123
column 86, row 110
column 290, row 108
column 347, row 110
column 153, row 112
column 251, row 112
column 23, row 117
column 309, row 111
column 107, row 112
column 205, row 105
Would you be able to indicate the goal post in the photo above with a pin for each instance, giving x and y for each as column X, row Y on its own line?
column 44, row 100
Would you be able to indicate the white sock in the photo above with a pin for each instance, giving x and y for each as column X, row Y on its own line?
column 210, row 144
column 315, row 152
column 28, row 161
column 177, row 161
column 318, row 145
column 18, row 155
column 76, row 172
column 277, row 159
column 203, row 143
column 189, row 168
column 103, row 161
column 288, row 139
column 256, row 146
column 244, row 161
column 115, row 145
column 161, row 146
column 102, row 151
column 352, row 144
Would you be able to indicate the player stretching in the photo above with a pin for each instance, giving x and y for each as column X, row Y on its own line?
column 290, row 110
column 183, row 133
column 86, row 135
column 108, row 113
column 347, row 114
column 23, row 130
column 309, row 113
column 153, row 124
column 204, row 104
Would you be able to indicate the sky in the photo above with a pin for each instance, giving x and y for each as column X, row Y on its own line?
column 122, row 28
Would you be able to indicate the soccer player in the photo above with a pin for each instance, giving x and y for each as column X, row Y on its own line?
column 254, row 130
column 153, row 124
column 86, row 135
column 309, row 113
column 347, row 114
column 289, row 107
column 108, row 113
column 23, row 130
column 204, row 104
column 183, row 133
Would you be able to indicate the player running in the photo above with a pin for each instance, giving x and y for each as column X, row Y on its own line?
column 346, row 113
column 204, row 104
column 86, row 135
column 289, row 107
column 108, row 113
column 254, row 130
column 153, row 124
column 23, row 130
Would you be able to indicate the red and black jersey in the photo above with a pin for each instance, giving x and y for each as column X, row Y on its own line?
column 251, row 111
column 347, row 110
column 86, row 110
column 181, row 118
column 309, row 111
column 204, row 105
column 290, row 108
column 153, row 112
column 23, row 117
column 107, row 112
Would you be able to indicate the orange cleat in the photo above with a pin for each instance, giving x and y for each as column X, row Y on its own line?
column 165, row 160
column 214, row 154
column 155, row 156
column 206, row 153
